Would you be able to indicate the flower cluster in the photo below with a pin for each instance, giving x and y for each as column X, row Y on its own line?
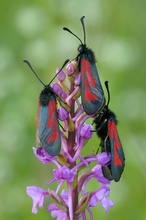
column 72, row 168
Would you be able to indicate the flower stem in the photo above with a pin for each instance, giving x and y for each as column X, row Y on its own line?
column 71, row 144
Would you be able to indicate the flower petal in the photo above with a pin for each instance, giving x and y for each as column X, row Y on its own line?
column 38, row 195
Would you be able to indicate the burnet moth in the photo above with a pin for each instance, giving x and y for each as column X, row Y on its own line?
column 48, row 132
column 92, row 94
column 106, row 129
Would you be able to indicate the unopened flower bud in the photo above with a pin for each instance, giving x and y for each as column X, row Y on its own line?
column 78, row 79
column 61, row 75
column 86, row 131
column 58, row 90
column 62, row 114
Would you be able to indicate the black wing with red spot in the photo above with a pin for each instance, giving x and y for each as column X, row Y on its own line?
column 117, row 154
column 106, row 129
column 92, row 94
column 91, row 90
column 48, row 132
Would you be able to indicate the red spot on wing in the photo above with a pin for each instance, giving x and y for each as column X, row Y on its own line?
column 89, row 96
column 52, row 121
column 85, row 65
column 114, row 138
column 89, row 81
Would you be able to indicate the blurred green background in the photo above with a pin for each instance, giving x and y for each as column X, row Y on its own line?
column 116, row 31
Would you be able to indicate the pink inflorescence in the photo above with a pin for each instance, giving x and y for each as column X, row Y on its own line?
column 73, row 170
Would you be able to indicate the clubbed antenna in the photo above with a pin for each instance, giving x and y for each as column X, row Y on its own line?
column 84, row 32
column 66, row 61
column 83, row 25
column 108, row 92
column 66, row 29
column 28, row 63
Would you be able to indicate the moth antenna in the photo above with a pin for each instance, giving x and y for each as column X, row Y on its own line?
column 83, row 25
column 66, row 29
column 108, row 92
column 28, row 63
column 66, row 61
